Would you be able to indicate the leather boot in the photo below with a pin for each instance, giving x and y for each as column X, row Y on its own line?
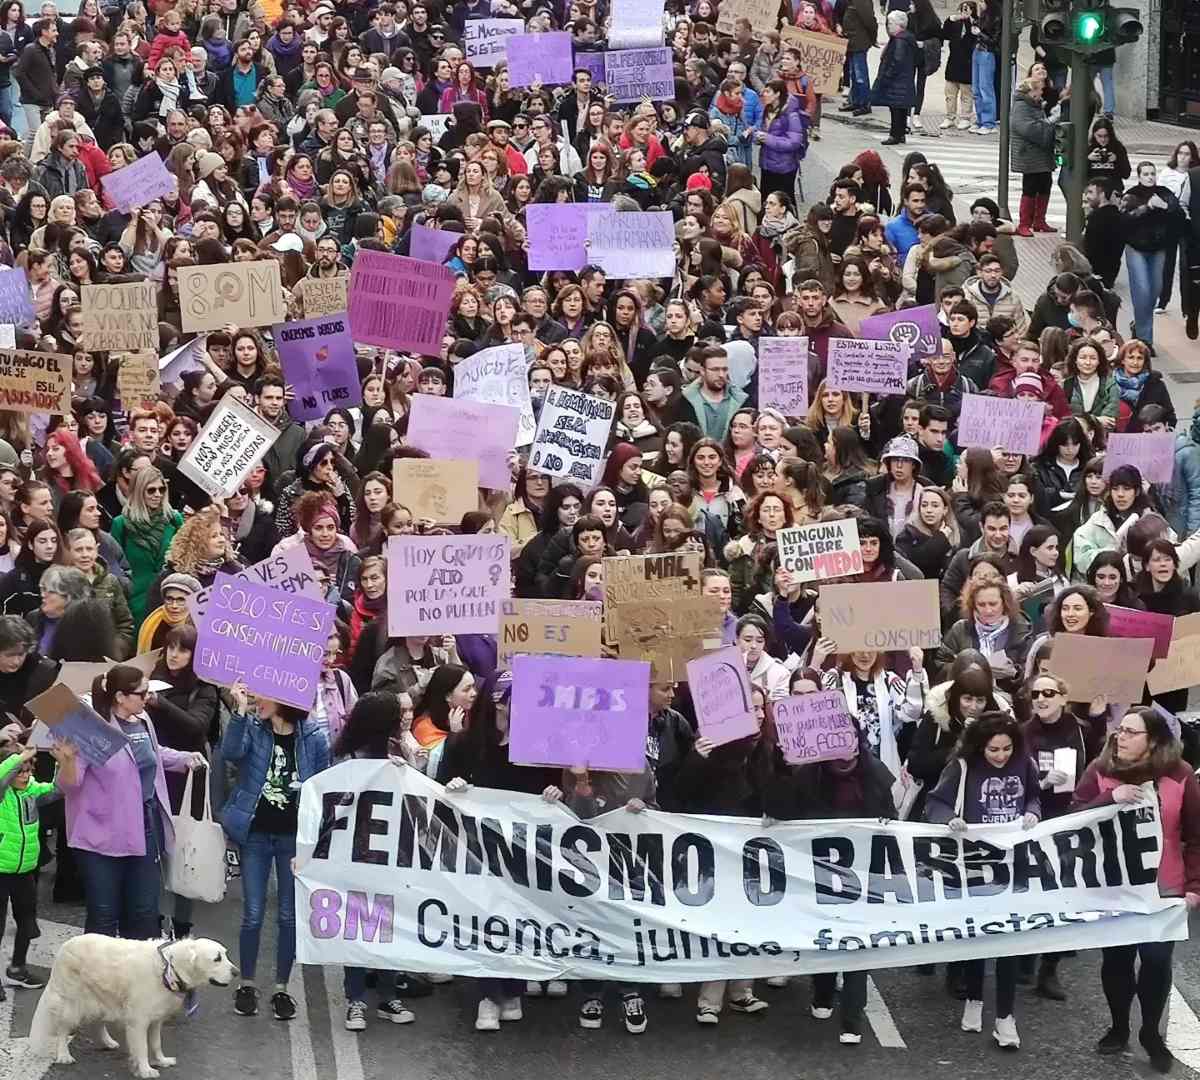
column 1025, row 228
column 1041, row 205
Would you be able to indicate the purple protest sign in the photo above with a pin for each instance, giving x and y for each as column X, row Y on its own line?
column 570, row 711
column 916, row 327
column 288, row 570
column 399, row 303
column 557, row 232
column 1130, row 623
column 16, row 301
column 138, row 183
column 1013, row 425
column 546, row 58
column 720, row 690
column 1152, row 453
column 875, row 367
column 317, row 357
column 447, row 584
column 633, row 74
column 783, row 374
column 432, row 245
column 274, row 641
column 456, row 428
column 815, row 727
column 594, row 62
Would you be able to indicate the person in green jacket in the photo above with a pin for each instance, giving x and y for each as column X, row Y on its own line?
column 145, row 531
column 19, row 845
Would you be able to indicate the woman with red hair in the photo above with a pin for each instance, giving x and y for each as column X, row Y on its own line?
column 875, row 183
column 68, row 468
column 464, row 88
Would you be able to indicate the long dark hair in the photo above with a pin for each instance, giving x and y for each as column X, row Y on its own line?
column 1125, row 597
column 369, row 727
column 434, row 702
column 1067, row 428
column 1098, row 621
column 183, row 637
column 85, row 633
column 1027, row 569
column 549, row 525
column 123, row 678
column 970, row 673
column 976, row 736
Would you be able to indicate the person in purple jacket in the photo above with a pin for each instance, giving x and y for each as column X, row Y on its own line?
column 119, row 813
column 782, row 137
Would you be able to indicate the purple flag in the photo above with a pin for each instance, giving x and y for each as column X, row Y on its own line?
column 136, row 185
column 917, row 327
column 317, row 357
column 432, row 245
column 399, row 303
column 569, row 711
column 720, row 690
column 548, row 58
column 458, row 428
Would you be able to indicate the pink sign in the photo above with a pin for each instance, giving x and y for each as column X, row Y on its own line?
column 720, row 689
column 1152, row 453
column 138, row 183
column 457, row 428
column 1131, row 623
column 399, row 303
column 875, row 367
column 989, row 421
column 783, row 374
column 447, row 584
column 431, row 245
column 815, row 727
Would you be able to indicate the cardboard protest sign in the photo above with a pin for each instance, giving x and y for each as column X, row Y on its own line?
column 557, row 234
column 1092, row 666
column 548, row 58
column 569, row 711
column 454, row 428
column 317, row 357
column 916, row 327
column 720, row 688
column 549, row 628
column 145, row 662
column 783, row 374
column 232, row 441
column 635, row 24
column 1152, row 453
column 1181, row 667
column 633, row 74
column 274, row 641
column 78, row 676
column 887, row 616
column 763, row 16
column 483, row 40
column 572, row 435
column 498, row 376
column 822, row 56
column 241, row 293
column 875, row 367
column 446, row 584
column 815, row 727
column 138, row 183
column 1126, row 622
column 659, row 578
column 438, row 489
column 399, row 303
column 668, row 632
column 989, row 421
column 431, row 245
column 325, row 296
column 138, row 378
column 825, row 549
column 16, row 301
column 631, row 244
column 120, row 317
column 288, row 571
column 35, row 382
column 68, row 718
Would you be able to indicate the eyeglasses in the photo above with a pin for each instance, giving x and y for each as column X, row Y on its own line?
column 1035, row 694
column 157, row 489
column 1131, row 732
column 140, row 692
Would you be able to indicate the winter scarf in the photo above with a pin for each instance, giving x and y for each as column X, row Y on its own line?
column 220, row 53
column 170, row 95
column 773, row 228
column 992, row 639
column 148, row 534
column 304, row 189
column 364, row 612
column 278, row 49
column 1130, row 385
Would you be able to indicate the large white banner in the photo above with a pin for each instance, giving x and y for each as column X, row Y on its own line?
column 394, row 872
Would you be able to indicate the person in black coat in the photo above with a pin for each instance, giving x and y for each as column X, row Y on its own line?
column 99, row 106
column 254, row 532
column 1133, row 366
column 895, row 82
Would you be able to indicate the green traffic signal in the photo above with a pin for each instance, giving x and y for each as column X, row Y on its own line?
column 1089, row 27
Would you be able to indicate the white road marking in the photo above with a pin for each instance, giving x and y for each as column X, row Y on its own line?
column 15, row 1062
column 346, row 1058
column 1183, row 1030
column 304, row 1062
column 879, row 1016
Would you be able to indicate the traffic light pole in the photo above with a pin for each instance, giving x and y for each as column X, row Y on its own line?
column 1008, row 55
column 1081, row 116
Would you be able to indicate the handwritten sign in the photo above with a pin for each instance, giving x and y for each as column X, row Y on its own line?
column 68, row 718
column 138, row 183
column 558, row 233
column 546, row 58
column 437, row 124
column 120, row 317
column 138, row 380
column 825, row 549
column 783, row 374
column 431, row 245
column 436, row 489
column 399, row 303
column 289, row 570
column 660, row 578
column 571, row 435
column 631, row 244
column 1093, row 666
column 325, row 296
column 498, row 376
column 875, row 367
column 35, row 382
column 548, row 628
column 633, row 74
column 570, row 712
column 241, row 294
column 720, row 688
column 317, row 357
column 1152, row 453
column 822, row 56
column 272, row 640
column 916, row 327
column 229, row 445
column 454, row 428
column 989, row 421
column 668, row 633
column 446, row 584
column 763, row 16
column 882, row 616
column 484, row 39
column 815, row 727
column 16, row 301
column 1130, row 623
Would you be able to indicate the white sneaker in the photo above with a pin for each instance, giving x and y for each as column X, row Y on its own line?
column 511, row 1009
column 1005, row 1033
column 533, row 989
column 850, row 1038
column 488, row 1016
column 438, row 977
column 916, row 123
column 821, row 1012
column 556, row 988
column 670, row 990
column 974, row 129
column 777, row 980
column 972, row 1019
column 356, row 1016
column 1160, row 311
column 964, row 125
column 705, row 1015
column 946, row 124
column 987, row 131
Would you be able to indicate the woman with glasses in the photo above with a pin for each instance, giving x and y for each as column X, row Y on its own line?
column 145, row 531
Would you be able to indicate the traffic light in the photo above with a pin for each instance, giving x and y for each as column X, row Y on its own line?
column 1051, row 21
column 1062, row 142
column 1091, row 26
column 1087, row 24
column 1124, row 25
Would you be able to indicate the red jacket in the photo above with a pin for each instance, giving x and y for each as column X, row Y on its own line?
column 517, row 165
column 95, row 164
column 162, row 42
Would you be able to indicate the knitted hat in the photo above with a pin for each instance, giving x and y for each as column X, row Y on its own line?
column 1029, row 383
column 699, row 180
column 207, row 164
column 185, row 583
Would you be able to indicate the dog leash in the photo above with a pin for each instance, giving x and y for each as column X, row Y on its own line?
column 191, row 998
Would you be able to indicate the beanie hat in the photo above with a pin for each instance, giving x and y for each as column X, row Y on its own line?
column 207, row 164
column 1030, row 383
column 699, row 180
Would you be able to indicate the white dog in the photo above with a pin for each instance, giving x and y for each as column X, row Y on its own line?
column 135, row 983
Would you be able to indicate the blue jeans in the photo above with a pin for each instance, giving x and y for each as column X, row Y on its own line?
column 258, row 853
column 1108, row 89
column 1145, row 270
column 122, row 890
column 860, row 80
column 983, row 78
column 354, row 980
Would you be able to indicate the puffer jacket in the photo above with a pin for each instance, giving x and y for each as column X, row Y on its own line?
column 1032, row 147
column 1095, row 535
column 1183, row 512
column 19, row 845
column 786, row 139
column 1007, row 303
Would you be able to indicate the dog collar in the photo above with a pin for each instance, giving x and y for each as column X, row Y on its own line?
column 172, row 982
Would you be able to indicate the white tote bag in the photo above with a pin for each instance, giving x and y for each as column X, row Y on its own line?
column 197, row 866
